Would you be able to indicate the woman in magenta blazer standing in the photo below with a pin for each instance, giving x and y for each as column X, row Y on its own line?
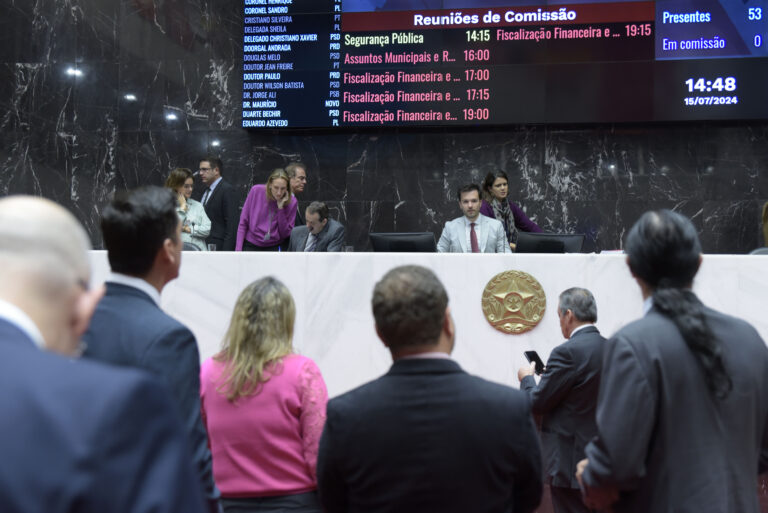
column 268, row 215
column 498, row 206
column 264, row 408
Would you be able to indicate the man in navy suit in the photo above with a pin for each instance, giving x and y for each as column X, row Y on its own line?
column 566, row 396
column 426, row 437
column 142, row 234
column 219, row 198
column 77, row 436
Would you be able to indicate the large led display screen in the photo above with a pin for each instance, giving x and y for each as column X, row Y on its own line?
column 365, row 63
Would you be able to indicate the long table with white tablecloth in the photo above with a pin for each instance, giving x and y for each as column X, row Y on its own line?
column 335, row 327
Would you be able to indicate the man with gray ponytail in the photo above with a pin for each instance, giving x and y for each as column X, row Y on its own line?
column 683, row 409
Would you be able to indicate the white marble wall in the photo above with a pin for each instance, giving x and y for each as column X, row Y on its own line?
column 335, row 325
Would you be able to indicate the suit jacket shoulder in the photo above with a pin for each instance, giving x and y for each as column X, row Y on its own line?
column 88, row 437
column 332, row 237
column 494, row 235
column 428, row 433
column 654, row 386
column 298, row 238
column 128, row 329
column 492, row 221
column 452, row 237
column 587, row 340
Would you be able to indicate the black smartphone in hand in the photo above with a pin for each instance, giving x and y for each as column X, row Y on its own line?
column 533, row 356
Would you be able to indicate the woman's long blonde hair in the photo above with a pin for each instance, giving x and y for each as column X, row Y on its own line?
column 260, row 333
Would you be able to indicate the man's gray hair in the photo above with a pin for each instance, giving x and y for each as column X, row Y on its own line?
column 409, row 307
column 579, row 301
column 293, row 167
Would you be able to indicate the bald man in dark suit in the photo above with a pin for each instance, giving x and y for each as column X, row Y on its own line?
column 77, row 436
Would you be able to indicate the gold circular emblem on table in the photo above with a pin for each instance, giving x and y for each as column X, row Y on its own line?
column 514, row 302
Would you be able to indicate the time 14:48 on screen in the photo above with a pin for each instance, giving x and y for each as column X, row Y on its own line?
column 705, row 85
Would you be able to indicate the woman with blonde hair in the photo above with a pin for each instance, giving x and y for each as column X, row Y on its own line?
column 264, row 408
column 268, row 215
column 195, row 223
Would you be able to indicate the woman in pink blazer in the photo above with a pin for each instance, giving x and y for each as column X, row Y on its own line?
column 264, row 408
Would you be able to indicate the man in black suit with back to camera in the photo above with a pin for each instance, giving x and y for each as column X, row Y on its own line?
column 219, row 199
column 77, row 436
column 682, row 416
column 566, row 396
column 426, row 437
column 142, row 234
column 320, row 234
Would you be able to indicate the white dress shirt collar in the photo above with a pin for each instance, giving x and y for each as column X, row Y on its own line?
column 576, row 330
column 136, row 283
column 16, row 316
column 467, row 222
column 213, row 186
column 647, row 305
column 427, row 355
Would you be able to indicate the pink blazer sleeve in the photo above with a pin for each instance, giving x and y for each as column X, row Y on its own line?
column 314, row 397
column 245, row 217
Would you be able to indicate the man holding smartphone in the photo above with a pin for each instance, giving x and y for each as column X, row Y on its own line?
column 566, row 396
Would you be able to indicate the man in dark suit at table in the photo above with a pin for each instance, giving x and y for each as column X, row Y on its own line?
column 219, row 198
column 682, row 416
column 76, row 435
column 320, row 233
column 142, row 234
column 566, row 396
column 426, row 436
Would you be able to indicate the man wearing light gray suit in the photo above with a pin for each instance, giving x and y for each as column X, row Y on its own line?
column 473, row 232
column 319, row 234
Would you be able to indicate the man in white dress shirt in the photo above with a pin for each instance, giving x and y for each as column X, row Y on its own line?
column 473, row 232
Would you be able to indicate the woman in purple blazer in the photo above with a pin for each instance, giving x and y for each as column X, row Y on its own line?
column 498, row 206
column 268, row 215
